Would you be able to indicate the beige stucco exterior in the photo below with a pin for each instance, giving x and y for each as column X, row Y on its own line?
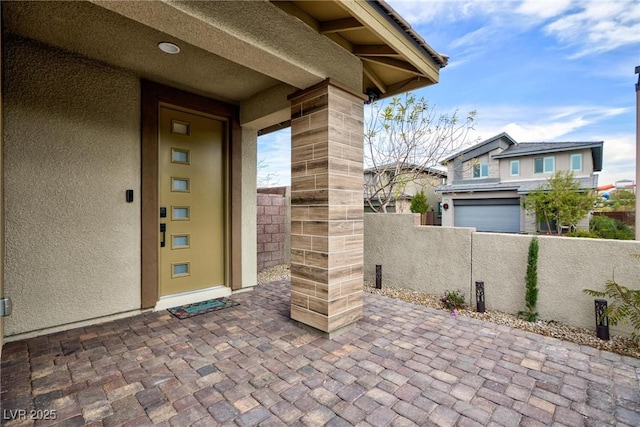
column 72, row 150
column 562, row 162
column 440, row 257
column 455, row 258
column 249, row 208
column 467, row 166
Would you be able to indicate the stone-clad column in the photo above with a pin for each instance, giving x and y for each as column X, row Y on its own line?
column 326, row 206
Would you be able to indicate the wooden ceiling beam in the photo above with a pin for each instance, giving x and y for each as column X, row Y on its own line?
column 339, row 25
column 374, row 50
column 336, row 37
column 393, row 63
column 366, row 68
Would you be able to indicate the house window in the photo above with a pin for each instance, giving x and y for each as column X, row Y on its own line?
column 544, row 164
column 515, row 167
column 481, row 170
column 576, row 162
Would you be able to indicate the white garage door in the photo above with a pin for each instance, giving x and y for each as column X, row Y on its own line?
column 497, row 215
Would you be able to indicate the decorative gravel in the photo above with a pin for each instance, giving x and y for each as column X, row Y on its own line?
column 617, row 344
column 271, row 274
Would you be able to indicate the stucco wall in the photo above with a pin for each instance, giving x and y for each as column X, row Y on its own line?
column 494, row 165
column 425, row 258
column 72, row 150
column 565, row 267
column 249, row 178
column 431, row 259
column 562, row 162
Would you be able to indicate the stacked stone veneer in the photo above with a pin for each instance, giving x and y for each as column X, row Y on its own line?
column 326, row 207
column 273, row 221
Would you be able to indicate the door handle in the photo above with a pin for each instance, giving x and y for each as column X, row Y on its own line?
column 163, row 230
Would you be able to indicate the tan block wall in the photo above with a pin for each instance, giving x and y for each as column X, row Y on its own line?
column 326, row 208
column 273, row 217
column 447, row 258
column 72, row 149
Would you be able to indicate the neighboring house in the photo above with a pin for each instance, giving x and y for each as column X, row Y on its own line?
column 488, row 182
column 413, row 179
column 129, row 137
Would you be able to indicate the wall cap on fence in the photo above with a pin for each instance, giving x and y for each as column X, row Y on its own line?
column 273, row 190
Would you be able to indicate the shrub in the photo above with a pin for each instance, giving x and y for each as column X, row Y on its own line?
column 609, row 228
column 453, row 300
column 625, row 307
column 584, row 233
column 531, row 280
column 419, row 203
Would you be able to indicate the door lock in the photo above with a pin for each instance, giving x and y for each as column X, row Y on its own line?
column 163, row 230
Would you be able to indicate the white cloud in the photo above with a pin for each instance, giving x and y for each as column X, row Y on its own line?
column 597, row 27
column 543, row 9
column 618, row 159
column 544, row 131
column 531, row 124
column 583, row 27
column 477, row 37
column 418, row 12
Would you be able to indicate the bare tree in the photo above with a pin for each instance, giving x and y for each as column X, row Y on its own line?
column 265, row 178
column 404, row 139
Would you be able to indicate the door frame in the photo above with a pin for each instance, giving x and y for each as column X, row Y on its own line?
column 153, row 95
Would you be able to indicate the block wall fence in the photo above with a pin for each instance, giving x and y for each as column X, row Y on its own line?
column 274, row 226
column 434, row 259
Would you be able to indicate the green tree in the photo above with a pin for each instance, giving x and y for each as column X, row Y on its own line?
column 560, row 201
column 404, row 138
column 531, row 282
column 419, row 203
column 621, row 200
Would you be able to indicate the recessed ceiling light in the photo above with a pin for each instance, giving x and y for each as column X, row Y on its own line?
column 169, row 48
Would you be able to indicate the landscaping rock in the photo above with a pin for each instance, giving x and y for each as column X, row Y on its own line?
column 617, row 344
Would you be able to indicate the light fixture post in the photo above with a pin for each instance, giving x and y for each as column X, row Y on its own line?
column 480, row 296
column 602, row 321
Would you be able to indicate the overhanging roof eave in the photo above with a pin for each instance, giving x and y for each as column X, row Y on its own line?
column 386, row 24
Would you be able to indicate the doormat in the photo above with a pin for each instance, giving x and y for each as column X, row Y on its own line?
column 190, row 310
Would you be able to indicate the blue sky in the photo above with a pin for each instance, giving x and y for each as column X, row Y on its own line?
column 540, row 70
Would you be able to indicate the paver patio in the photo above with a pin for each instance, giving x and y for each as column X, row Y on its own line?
column 250, row 365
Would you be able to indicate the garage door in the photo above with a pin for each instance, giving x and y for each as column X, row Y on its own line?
column 497, row 215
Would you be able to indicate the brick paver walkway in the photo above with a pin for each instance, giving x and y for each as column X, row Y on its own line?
column 250, row 365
